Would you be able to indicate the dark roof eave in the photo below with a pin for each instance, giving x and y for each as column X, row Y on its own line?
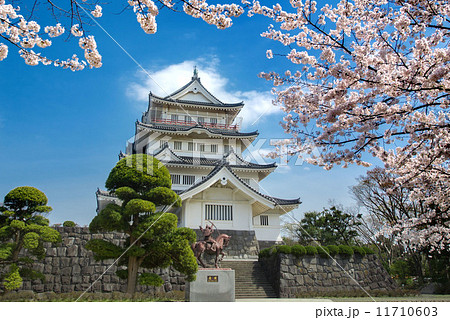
column 237, row 105
column 176, row 128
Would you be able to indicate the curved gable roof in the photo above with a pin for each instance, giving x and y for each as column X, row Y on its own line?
column 224, row 167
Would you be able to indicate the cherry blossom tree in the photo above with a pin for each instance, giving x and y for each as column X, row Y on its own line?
column 371, row 78
column 20, row 30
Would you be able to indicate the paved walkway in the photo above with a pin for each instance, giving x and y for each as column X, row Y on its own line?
column 283, row 300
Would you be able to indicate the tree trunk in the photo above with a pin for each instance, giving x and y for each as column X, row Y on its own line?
column 132, row 274
column 16, row 251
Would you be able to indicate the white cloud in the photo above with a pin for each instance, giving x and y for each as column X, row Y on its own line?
column 164, row 81
column 258, row 155
column 283, row 168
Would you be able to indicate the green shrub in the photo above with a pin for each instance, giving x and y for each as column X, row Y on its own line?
column 150, row 279
column 310, row 250
column 345, row 250
column 359, row 250
column 367, row 250
column 323, row 251
column 264, row 253
column 298, row 250
column 334, row 250
column 69, row 224
column 284, row 249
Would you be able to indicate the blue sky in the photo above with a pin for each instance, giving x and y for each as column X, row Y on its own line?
column 61, row 131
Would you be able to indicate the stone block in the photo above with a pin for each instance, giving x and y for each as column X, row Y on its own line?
column 48, row 287
column 67, row 288
column 61, row 251
column 26, row 285
column 65, row 262
column 66, row 271
column 68, row 241
column 57, row 288
column 72, row 251
column 107, row 287
column 65, row 280
column 99, row 269
column 47, row 268
column 50, row 252
column 76, row 279
column 76, row 269
column 87, row 270
column 38, row 288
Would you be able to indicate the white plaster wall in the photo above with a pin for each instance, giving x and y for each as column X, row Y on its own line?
column 272, row 232
column 192, row 214
column 194, row 210
column 252, row 176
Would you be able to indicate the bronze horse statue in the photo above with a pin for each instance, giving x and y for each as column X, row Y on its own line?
column 210, row 245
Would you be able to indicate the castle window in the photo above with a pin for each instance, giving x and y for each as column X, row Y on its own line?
column 187, row 118
column 246, row 180
column 226, row 148
column 190, row 146
column 214, row 148
column 219, row 212
column 201, row 147
column 174, row 117
column 264, row 220
column 177, row 145
column 175, row 178
column 188, row 180
column 162, row 143
column 213, row 121
column 201, row 120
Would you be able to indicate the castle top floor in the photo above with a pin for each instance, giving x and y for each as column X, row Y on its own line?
column 193, row 105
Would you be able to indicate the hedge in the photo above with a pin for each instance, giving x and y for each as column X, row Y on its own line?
column 310, row 250
column 69, row 224
column 359, row 250
column 299, row 250
column 334, row 250
column 323, row 251
column 346, row 250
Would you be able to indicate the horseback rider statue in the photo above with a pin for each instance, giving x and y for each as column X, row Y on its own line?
column 209, row 240
column 210, row 245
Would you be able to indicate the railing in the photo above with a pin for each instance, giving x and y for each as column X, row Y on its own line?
column 233, row 127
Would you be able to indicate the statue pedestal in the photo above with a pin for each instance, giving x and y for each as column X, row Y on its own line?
column 211, row 285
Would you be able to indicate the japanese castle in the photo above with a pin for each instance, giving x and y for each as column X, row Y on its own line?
column 198, row 138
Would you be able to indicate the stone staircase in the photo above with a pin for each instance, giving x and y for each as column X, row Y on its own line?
column 250, row 279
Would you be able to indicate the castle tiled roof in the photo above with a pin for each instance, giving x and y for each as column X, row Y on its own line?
column 202, row 161
column 181, row 128
column 195, row 78
column 199, row 103
column 225, row 164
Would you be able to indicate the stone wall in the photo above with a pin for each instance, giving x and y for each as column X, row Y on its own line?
column 69, row 267
column 292, row 277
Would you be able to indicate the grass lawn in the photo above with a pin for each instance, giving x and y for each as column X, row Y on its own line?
column 419, row 298
column 28, row 296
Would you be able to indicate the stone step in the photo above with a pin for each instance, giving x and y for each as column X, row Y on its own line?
column 250, row 279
